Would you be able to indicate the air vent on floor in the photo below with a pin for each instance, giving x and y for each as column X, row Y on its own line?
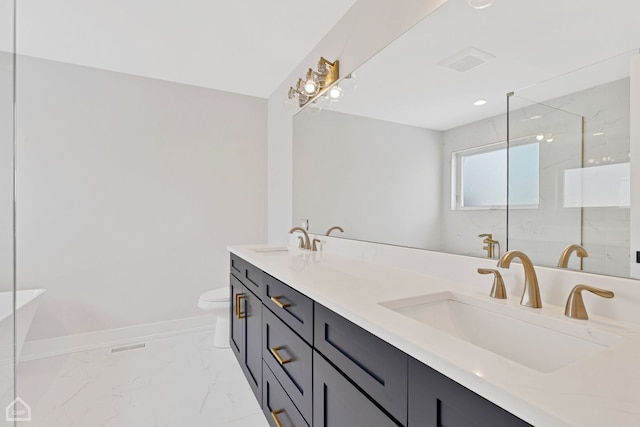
column 127, row 347
column 467, row 59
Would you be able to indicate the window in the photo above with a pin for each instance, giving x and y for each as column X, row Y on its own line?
column 479, row 178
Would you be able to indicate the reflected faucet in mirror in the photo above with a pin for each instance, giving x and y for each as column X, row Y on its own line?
column 531, row 293
column 307, row 241
column 335, row 227
column 566, row 254
column 490, row 245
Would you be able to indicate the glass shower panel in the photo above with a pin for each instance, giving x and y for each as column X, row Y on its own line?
column 7, row 281
column 544, row 142
column 581, row 122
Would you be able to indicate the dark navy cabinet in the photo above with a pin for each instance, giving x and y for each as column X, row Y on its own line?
column 374, row 365
column 246, row 333
column 310, row 367
column 436, row 400
column 339, row 403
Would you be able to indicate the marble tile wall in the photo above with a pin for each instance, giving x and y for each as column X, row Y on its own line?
column 545, row 231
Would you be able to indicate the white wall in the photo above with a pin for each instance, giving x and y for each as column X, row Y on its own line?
column 378, row 180
column 129, row 191
column 366, row 28
column 635, row 165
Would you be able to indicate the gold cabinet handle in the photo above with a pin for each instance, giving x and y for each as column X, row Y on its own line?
column 276, row 301
column 274, row 351
column 237, row 305
column 239, row 313
column 274, row 414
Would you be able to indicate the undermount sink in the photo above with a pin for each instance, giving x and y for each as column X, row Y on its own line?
column 518, row 334
column 272, row 250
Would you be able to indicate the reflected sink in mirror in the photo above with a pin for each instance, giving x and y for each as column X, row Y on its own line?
column 272, row 250
column 541, row 343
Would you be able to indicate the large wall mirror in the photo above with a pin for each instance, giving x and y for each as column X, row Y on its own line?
column 462, row 140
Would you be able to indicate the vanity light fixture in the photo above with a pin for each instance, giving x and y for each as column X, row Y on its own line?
column 315, row 82
column 539, row 137
column 480, row 4
column 479, row 102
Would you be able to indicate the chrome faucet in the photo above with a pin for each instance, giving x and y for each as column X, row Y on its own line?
column 307, row 242
column 531, row 293
column 564, row 258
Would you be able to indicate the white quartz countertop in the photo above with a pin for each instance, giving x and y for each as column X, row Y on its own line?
column 601, row 389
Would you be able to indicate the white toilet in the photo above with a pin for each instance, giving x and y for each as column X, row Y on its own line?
column 216, row 302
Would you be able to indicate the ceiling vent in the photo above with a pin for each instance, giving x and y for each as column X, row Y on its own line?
column 467, row 59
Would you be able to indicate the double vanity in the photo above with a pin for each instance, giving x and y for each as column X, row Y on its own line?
column 329, row 339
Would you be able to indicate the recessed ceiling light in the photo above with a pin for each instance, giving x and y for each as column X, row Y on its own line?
column 598, row 133
column 536, row 117
column 479, row 102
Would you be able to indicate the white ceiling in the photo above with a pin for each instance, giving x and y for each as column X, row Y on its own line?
column 532, row 41
column 242, row 46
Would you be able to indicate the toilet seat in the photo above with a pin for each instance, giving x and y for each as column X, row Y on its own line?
column 215, row 295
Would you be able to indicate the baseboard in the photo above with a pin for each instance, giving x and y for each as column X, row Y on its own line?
column 38, row 349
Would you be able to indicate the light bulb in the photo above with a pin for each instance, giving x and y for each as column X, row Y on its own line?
column 480, row 4
column 335, row 92
column 540, row 137
column 310, row 86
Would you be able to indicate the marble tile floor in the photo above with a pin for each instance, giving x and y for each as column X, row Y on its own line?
column 177, row 381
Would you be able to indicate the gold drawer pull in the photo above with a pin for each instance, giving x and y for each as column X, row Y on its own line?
column 274, row 414
column 239, row 313
column 276, row 301
column 274, row 351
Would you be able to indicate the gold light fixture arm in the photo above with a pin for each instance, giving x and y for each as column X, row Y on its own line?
column 315, row 82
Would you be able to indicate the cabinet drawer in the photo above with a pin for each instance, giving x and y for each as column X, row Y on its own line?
column 294, row 369
column 435, row 399
column 295, row 309
column 376, row 366
column 276, row 403
column 338, row 403
column 248, row 274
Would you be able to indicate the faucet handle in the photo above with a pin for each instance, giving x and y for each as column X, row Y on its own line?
column 301, row 244
column 315, row 247
column 575, row 304
column 498, row 290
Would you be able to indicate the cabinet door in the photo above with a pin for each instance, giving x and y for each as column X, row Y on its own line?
column 245, row 336
column 276, row 404
column 236, row 334
column 253, row 342
column 289, row 358
column 435, row 401
column 376, row 366
column 338, row 403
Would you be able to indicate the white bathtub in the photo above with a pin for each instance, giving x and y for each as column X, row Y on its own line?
column 27, row 302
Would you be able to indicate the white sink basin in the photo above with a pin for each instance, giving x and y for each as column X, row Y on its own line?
column 518, row 334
